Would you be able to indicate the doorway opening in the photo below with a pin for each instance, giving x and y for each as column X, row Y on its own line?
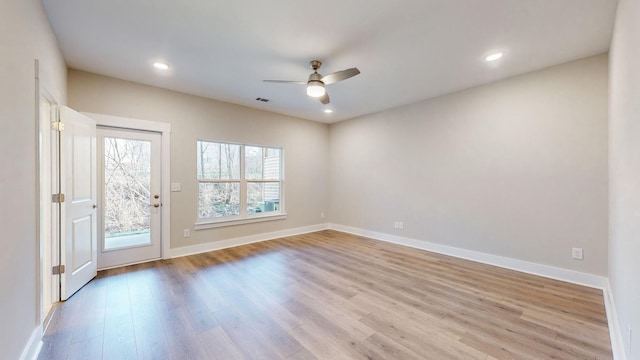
column 134, row 161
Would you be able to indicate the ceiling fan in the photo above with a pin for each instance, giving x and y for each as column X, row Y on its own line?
column 316, row 82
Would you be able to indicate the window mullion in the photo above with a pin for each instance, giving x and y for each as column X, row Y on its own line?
column 219, row 160
column 262, row 162
column 243, row 184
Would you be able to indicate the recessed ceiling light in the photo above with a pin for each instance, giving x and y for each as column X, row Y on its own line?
column 328, row 111
column 160, row 66
column 494, row 56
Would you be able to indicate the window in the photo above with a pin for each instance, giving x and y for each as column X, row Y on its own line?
column 238, row 182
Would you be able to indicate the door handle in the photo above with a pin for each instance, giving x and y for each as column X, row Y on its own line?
column 156, row 205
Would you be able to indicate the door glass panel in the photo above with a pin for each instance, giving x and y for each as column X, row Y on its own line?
column 127, row 183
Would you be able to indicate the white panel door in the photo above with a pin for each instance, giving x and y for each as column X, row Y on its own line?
column 79, row 230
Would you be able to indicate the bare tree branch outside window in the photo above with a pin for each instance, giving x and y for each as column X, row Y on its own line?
column 127, row 181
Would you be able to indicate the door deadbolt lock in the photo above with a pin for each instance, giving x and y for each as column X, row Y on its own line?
column 156, row 196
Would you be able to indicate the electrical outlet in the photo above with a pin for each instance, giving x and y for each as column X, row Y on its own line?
column 186, row 233
column 398, row 225
column 576, row 253
column 322, row 215
column 176, row 187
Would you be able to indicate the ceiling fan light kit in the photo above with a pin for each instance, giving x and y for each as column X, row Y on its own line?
column 316, row 82
column 315, row 88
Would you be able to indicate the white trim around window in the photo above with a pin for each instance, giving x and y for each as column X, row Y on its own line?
column 238, row 184
column 211, row 224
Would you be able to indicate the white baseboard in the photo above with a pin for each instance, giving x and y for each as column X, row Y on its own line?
column 615, row 332
column 590, row 280
column 31, row 351
column 228, row 243
column 547, row 271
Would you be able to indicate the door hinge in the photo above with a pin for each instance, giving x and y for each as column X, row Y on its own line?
column 57, row 198
column 57, row 270
column 57, row 125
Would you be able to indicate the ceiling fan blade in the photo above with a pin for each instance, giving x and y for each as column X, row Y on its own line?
column 340, row 75
column 285, row 82
column 324, row 98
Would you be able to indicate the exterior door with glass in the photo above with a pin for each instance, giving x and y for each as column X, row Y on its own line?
column 130, row 207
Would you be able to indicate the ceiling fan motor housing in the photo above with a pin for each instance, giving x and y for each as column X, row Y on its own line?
column 315, row 77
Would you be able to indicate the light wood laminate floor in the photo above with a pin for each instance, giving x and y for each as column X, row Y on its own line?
column 326, row 295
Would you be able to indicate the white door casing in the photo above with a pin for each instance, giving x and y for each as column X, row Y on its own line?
column 48, row 177
column 79, row 231
column 164, row 129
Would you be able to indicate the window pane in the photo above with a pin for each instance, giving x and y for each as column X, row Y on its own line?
column 272, row 164
column 253, row 162
column 263, row 197
column 219, row 199
column 230, row 161
column 218, row 160
column 262, row 163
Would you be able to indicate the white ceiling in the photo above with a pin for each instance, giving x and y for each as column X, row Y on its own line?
column 407, row 50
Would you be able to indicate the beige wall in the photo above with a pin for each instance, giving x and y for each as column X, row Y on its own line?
column 24, row 36
column 624, row 145
column 516, row 168
column 305, row 143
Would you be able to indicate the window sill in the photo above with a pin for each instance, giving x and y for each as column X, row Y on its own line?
column 211, row 224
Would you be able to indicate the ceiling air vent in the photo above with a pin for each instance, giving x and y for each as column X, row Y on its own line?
column 262, row 99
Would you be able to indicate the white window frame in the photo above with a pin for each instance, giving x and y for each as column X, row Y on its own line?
column 243, row 217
